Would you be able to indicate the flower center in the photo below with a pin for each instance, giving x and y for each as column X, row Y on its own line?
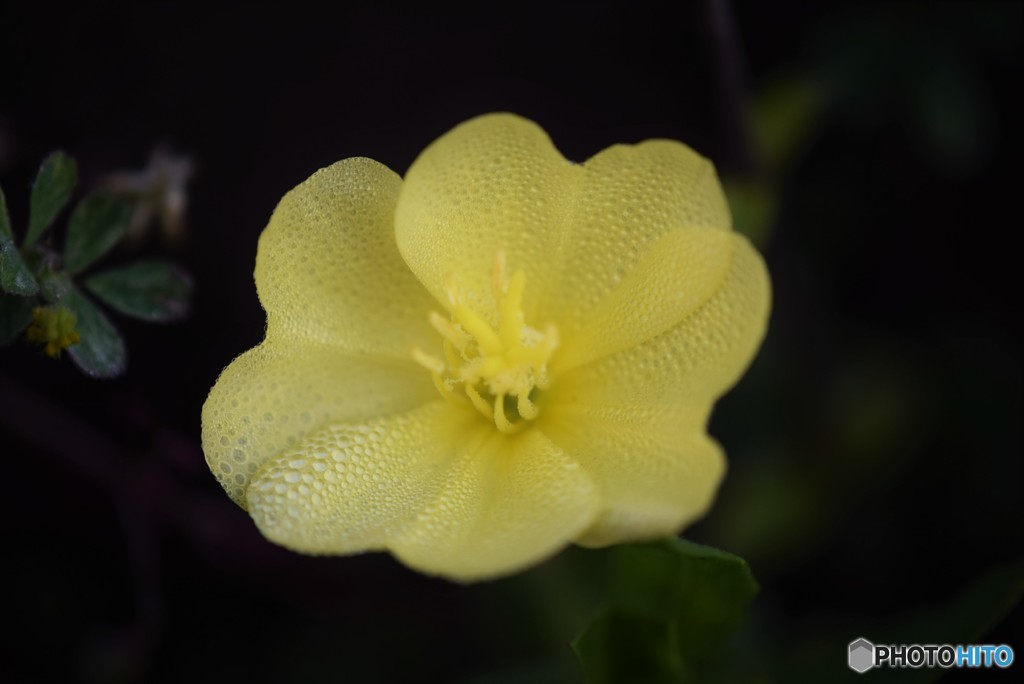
column 499, row 370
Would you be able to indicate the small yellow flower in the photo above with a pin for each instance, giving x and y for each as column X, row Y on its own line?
column 503, row 353
column 53, row 327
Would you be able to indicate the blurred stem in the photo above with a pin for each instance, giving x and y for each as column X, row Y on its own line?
column 142, row 542
column 145, row 486
column 41, row 423
column 733, row 93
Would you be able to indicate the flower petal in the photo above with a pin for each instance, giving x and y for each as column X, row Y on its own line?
column 649, row 220
column 691, row 364
column 350, row 486
column 273, row 395
column 679, row 272
column 328, row 269
column 655, row 469
column 635, row 419
column 493, row 182
column 651, row 233
column 509, row 503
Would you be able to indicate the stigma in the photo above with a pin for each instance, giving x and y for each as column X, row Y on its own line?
column 499, row 369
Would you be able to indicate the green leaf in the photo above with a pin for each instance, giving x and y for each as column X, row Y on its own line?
column 15, row 276
column 15, row 315
column 672, row 605
column 54, row 182
column 754, row 208
column 5, row 220
column 101, row 352
column 96, row 225
column 787, row 115
column 619, row 647
column 54, row 284
column 150, row 290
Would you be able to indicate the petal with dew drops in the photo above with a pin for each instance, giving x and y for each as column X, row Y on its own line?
column 635, row 420
column 328, row 269
column 655, row 469
column 272, row 396
column 352, row 485
column 507, row 504
column 692, row 363
column 631, row 197
column 679, row 272
column 578, row 231
column 493, row 182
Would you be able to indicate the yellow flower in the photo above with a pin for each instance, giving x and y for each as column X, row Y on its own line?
column 53, row 327
column 503, row 353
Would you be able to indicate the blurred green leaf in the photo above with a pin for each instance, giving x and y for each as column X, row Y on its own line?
column 54, row 182
column 787, row 115
column 101, row 352
column 15, row 314
column 754, row 207
column 618, row 648
column 96, row 225
column 54, row 284
column 672, row 605
column 777, row 509
column 5, row 220
column 150, row 290
column 15, row 276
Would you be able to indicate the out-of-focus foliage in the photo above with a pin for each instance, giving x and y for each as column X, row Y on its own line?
column 54, row 184
column 41, row 278
column 670, row 606
column 149, row 290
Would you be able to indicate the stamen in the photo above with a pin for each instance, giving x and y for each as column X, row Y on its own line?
column 491, row 366
column 449, row 354
column 451, row 289
column 478, row 401
column 478, row 328
column 500, row 419
column 448, row 330
column 527, row 409
column 431, row 363
column 442, row 387
column 491, row 362
column 542, row 380
column 512, row 311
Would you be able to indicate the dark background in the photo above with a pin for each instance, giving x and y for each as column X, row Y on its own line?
column 875, row 446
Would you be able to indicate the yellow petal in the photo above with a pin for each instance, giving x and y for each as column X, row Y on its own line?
column 510, row 502
column 635, row 419
column 680, row 271
column 352, row 485
column 691, row 364
column 657, row 204
column 274, row 395
column 328, row 269
column 656, row 470
column 578, row 231
column 494, row 182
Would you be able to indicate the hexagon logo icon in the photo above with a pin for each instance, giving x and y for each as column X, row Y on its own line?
column 862, row 655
